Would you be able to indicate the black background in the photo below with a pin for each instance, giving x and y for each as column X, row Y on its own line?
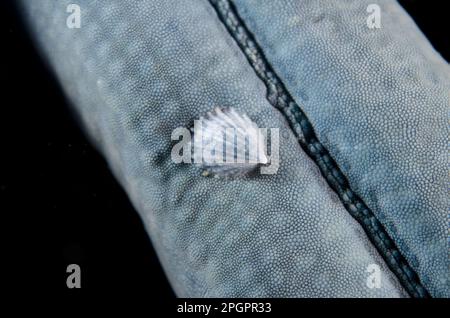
column 59, row 202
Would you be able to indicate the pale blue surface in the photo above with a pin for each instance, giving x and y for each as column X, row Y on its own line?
column 136, row 70
column 378, row 100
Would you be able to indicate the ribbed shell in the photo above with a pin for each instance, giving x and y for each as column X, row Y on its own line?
column 238, row 155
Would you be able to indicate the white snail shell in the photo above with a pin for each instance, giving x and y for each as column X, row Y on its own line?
column 232, row 143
